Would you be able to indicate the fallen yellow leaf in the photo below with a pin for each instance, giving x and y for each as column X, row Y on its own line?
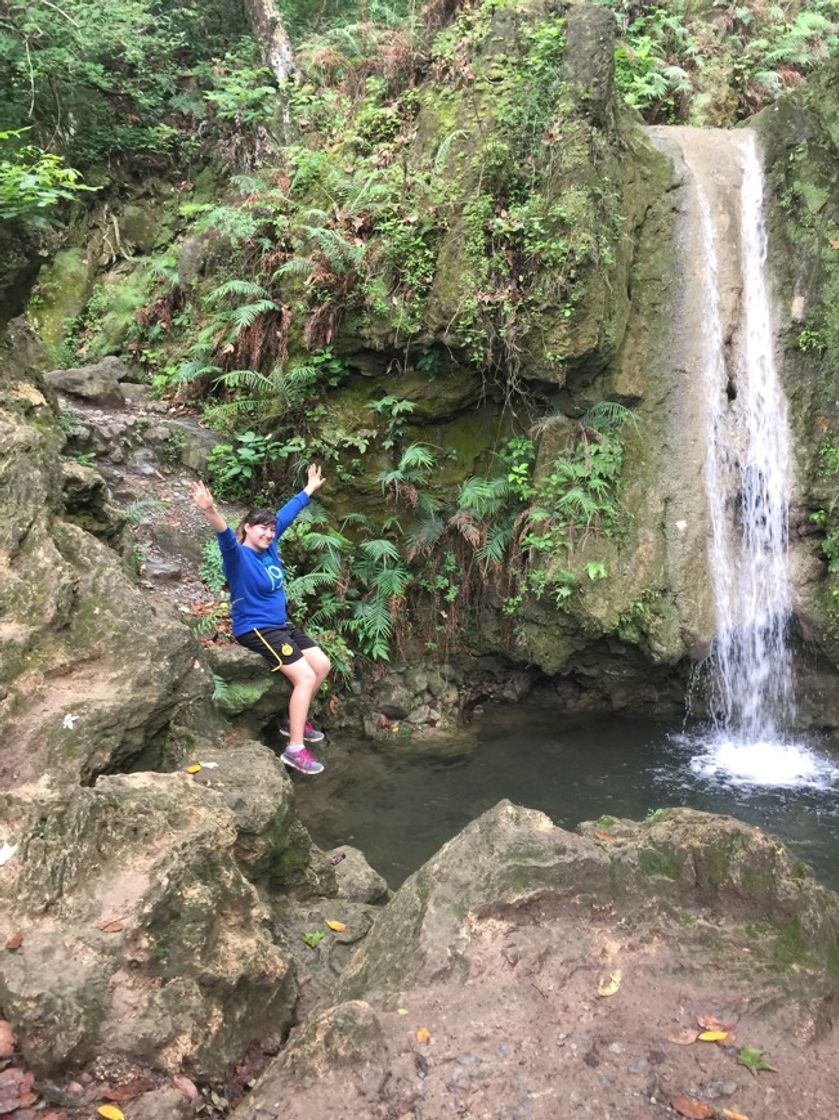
column 729, row 1114
column 338, row 927
column 610, row 986
column 111, row 1112
column 193, row 769
column 423, row 1034
column 401, row 1010
column 713, row 1036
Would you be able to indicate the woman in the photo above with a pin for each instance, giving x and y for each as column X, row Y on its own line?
column 255, row 574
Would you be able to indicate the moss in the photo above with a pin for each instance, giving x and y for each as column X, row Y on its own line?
column 657, row 862
column 63, row 288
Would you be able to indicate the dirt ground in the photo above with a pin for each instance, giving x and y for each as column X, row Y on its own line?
column 525, row 1036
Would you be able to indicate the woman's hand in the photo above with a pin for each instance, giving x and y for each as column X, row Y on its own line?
column 202, row 496
column 316, row 479
column 204, row 500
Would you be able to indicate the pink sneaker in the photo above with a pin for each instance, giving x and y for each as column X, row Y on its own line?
column 310, row 733
column 301, row 760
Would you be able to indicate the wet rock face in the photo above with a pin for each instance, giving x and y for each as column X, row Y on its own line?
column 799, row 136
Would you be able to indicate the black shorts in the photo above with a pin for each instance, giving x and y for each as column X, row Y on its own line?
column 279, row 645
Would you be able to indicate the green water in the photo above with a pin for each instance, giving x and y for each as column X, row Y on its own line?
column 399, row 804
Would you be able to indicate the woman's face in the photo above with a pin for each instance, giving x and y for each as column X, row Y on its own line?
column 258, row 537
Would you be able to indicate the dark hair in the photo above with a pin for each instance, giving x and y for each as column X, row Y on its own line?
column 260, row 516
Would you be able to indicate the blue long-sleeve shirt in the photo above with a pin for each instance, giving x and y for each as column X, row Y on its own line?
column 257, row 579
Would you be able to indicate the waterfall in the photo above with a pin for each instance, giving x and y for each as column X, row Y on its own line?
column 747, row 475
column 747, row 472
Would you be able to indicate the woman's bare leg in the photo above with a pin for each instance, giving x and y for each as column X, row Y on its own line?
column 304, row 684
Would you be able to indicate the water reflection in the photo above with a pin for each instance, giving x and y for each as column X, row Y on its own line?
column 400, row 805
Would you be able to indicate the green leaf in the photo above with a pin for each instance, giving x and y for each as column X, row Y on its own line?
column 314, row 938
column 752, row 1058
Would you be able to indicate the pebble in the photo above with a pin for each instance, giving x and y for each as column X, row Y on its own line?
column 718, row 1090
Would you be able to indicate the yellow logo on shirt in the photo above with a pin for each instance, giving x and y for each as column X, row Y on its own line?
column 286, row 650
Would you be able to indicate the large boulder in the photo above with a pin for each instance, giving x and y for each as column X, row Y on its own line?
column 526, row 971
column 141, row 941
column 98, row 383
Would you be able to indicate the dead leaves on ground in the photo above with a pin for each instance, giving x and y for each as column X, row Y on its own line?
column 714, row 1031
column 698, row 1110
column 16, row 1089
column 711, row 1030
column 693, row 1110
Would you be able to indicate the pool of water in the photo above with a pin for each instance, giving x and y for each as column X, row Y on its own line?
column 400, row 804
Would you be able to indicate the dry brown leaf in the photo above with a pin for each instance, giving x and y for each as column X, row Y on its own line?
column 693, row 1110
column 112, row 927
column 599, row 834
column 25, row 1099
column 15, row 941
column 129, row 1090
column 684, row 1038
column 709, row 1023
column 183, row 1084
column 835, row 243
column 729, row 1114
column 423, row 1034
column 7, row 1039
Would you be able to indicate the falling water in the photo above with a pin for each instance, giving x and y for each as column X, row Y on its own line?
column 747, row 470
column 747, row 477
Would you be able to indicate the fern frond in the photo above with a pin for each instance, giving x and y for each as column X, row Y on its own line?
column 608, row 416
column 235, row 287
column 249, row 379
column 246, row 315
column 192, row 369
column 443, row 149
column 380, row 549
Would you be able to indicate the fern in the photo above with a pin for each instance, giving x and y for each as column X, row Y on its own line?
column 235, row 287
column 443, row 149
column 247, row 314
column 608, row 416
column 380, row 549
column 193, row 368
column 248, row 379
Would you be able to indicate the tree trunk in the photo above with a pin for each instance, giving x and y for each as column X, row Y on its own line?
column 267, row 27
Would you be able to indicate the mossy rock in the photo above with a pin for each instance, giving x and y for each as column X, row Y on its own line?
column 63, row 288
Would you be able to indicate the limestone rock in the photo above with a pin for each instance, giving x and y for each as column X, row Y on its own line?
column 272, row 847
column 246, row 690
column 98, row 383
column 163, row 956
column 87, row 503
column 516, row 922
column 357, row 880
